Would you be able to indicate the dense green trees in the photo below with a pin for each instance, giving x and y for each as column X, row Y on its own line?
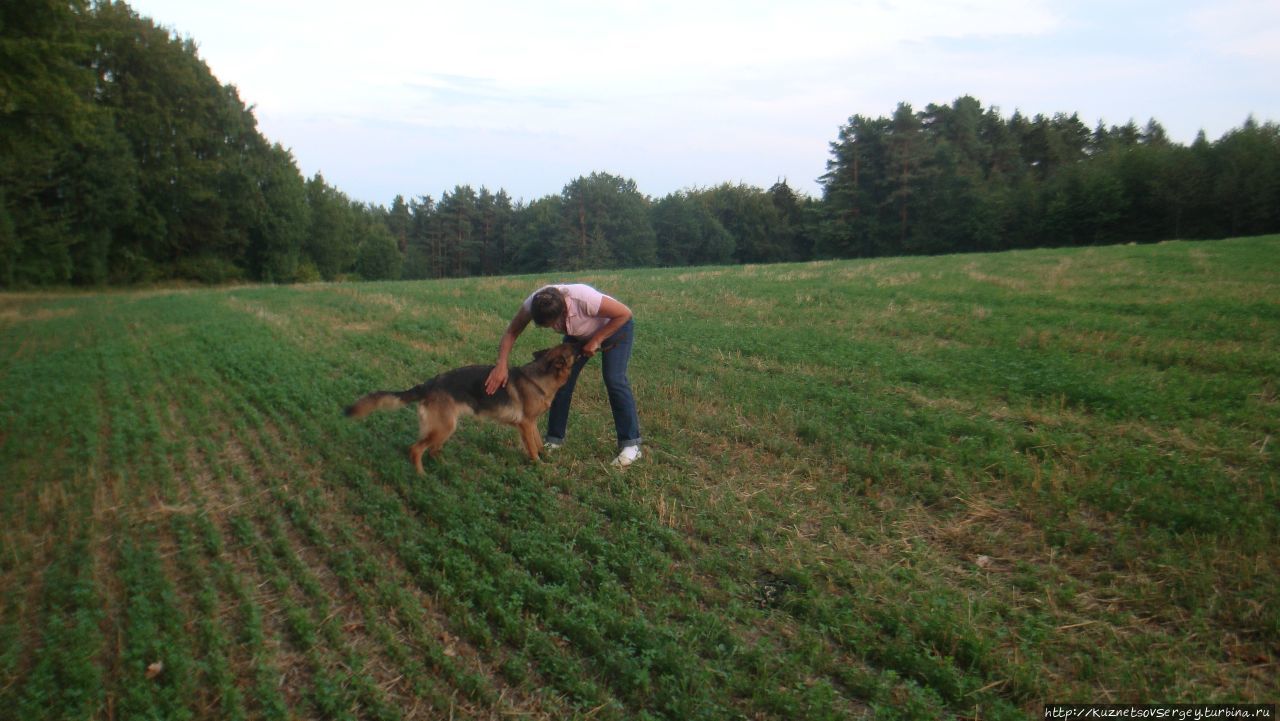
column 689, row 232
column 122, row 159
column 608, row 225
column 957, row 178
column 47, row 129
column 465, row 233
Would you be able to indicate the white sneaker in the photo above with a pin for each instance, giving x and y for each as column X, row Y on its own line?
column 627, row 456
column 551, row 446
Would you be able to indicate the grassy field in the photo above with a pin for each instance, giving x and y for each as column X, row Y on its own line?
column 958, row 486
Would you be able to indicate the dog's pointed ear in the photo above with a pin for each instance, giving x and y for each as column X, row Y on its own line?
column 537, row 355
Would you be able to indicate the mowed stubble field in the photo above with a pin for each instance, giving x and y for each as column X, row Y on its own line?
column 959, row 486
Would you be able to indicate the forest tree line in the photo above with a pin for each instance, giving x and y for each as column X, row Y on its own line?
column 124, row 160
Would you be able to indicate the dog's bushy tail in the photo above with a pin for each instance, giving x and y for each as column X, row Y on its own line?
column 378, row 401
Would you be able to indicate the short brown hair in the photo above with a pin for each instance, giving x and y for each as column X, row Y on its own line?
column 547, row 307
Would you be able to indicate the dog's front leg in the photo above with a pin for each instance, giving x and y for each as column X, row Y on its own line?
column 532, row 442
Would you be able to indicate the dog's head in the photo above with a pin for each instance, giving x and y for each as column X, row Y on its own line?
column 560, row 358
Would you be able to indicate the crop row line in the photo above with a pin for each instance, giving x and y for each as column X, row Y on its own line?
column 584, row 636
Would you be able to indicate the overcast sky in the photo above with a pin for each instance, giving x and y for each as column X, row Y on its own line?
column 413, row 97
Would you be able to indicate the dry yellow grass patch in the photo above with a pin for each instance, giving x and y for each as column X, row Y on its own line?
column 795, row 275
column 1017, row 284
column 892, row 281
column 494, row 284
column 733, row 300
column 470, row 323
column 258, row 311
column 382, row 299
column 1059, row 278
column 434, row 349
column 23, row 315
column 700, row 275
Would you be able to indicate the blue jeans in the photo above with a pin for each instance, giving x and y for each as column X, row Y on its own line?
column 613, row 363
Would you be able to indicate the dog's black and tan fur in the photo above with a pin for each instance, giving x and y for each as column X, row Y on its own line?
column 460, row 392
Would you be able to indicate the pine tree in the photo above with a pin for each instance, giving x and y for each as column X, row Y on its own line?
column 608, row 222
column 539, row 231
column 399, row 221
column 459, row 221
column 330, row 242
column 906, row 161
column 419, row 257
column 852, row 193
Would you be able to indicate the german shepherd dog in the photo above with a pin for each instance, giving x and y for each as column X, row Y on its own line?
column 460, row 392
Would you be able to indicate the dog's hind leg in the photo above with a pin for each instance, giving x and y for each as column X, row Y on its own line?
column 415, row 454
column 425, row 439
column 431, row 443
column 438, row 436
column 443, row 417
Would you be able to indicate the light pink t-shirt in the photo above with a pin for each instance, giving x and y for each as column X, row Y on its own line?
column 583, row 303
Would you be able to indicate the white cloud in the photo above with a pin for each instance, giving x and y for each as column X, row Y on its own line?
column 506, row 93
column 1245, row 28
column 323, row 56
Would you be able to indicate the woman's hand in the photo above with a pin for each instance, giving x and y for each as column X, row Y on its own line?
column 498, row 376
column 497, row 379
column 618, row 315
